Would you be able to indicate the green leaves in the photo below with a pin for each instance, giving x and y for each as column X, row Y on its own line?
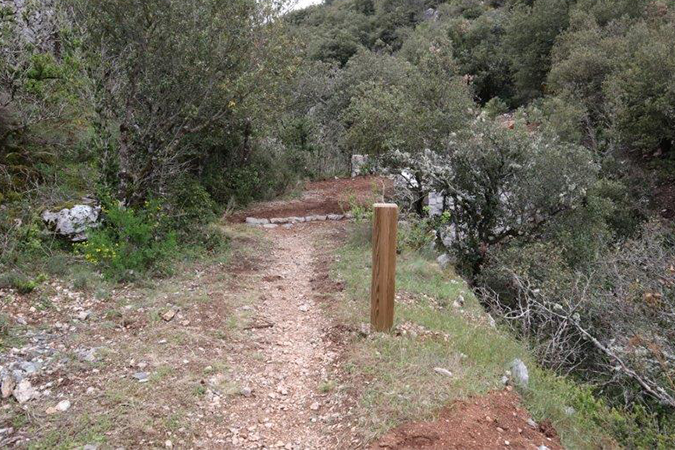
column 170, row 74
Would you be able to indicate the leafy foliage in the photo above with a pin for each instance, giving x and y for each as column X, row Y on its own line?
column 479, row 50
column 642, row 91
column 162, row 96
column 500, row 184
column 530, row 36
column 38, row 88
column 132, row 242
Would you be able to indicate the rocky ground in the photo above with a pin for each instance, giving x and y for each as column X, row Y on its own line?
column 231, row 353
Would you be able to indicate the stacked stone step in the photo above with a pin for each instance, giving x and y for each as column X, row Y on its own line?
column 287, row 222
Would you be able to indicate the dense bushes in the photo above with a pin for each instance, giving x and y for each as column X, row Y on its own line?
column 619, row 66
column 164, row 92
column 591, row 60
column 529, row 38
column 38, row 98
column 612, row 322
column 107, row 97
column 552, row 239
column 479, row 50
column 500, row 184
column 641, row 92
column 131, row 242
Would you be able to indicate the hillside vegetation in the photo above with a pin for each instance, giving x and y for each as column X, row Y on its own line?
column 547, row 126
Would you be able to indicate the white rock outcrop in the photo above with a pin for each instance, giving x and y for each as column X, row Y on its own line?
column 73, row 223
column 358, row 164
column 520, row 374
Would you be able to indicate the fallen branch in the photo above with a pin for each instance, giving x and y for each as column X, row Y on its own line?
column 259, row 326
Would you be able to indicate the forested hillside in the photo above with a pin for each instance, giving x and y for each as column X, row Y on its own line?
column 546, row 126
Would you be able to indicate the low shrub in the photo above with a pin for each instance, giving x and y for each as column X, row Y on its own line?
column 208, row 238
column 415, row 233
column 269, row 171
column 20, row 282
column 362, row 213
column 613, row 323
column 495, row 107
column 131, row 242
column 190, row 204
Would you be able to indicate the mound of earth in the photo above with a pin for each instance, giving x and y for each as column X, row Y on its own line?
column 320, row 198
column 494, row 421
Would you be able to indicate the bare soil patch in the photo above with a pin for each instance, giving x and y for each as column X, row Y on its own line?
column 319, row 198
column 494, row 421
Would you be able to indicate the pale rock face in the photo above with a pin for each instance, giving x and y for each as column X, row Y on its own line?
column 431, row 14
column 8, row 384
column 520, row 373
column 358, row 163
column 435, row 202
column 406, row 180
column 24, row 392
column 73, row 223
column 444, row 261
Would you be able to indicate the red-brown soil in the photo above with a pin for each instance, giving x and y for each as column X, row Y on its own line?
column 319, row 198
column 491, row 422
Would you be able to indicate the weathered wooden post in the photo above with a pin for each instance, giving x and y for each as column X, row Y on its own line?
column 382, row 290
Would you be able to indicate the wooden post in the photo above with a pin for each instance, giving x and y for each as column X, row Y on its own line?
column 382, row 290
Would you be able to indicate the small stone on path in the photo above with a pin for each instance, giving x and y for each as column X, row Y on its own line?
column 443, row 371
column 169, row 315
column 24, row 392
column 63, row 406
column 29, row 367
column 142, row 377
column 246, row 391
column 8, row 385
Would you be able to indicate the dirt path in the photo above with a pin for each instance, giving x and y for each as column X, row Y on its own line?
column 242, row 352
column 320, row 198
column 283, row 406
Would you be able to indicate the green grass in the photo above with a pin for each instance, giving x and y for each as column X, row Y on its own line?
column 85, row 429
column 400, row 381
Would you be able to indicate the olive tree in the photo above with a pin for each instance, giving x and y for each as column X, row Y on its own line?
column 500, row 184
